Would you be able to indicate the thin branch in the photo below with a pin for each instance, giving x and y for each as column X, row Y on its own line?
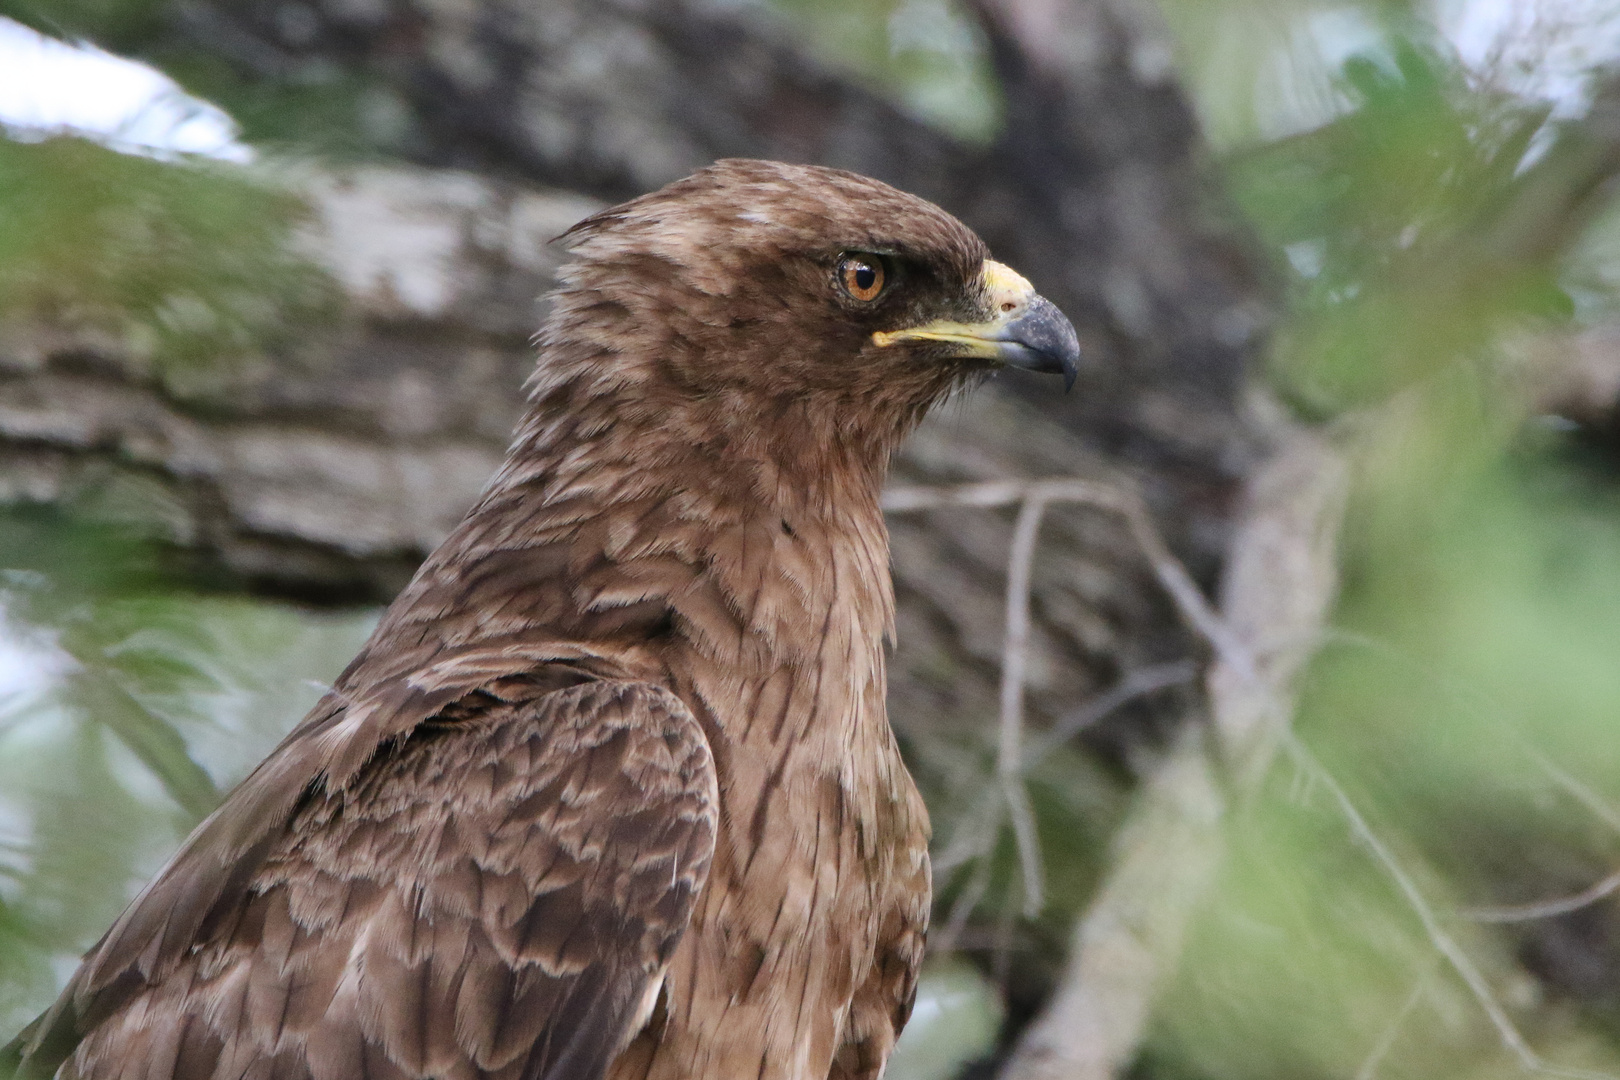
column 1443, row 942
column 1135, row 684
column 1375, row 1057
column 1201, row 616
column 1544, row 909
column 1578, row 790
column 976, row 829
column 947, row 939
column 1032, row 498
column 1014, row 657
column 1596, row 804
column 1278, row 581
column 1173, row 577
column 906, row 500
column 1188, row 597
column 1015, row 643
column 1022, row 815
column 976, row 832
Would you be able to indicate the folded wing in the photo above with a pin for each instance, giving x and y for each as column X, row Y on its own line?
column 496, row 894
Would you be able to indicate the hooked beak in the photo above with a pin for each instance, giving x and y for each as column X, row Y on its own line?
column 1028, row 331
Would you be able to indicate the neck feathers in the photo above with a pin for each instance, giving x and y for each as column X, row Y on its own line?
column 744, row 545
column 640, row 540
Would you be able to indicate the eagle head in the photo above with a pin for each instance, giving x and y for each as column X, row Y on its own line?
column 758, row 292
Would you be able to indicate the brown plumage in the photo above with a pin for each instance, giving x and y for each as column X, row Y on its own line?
column 611, row 790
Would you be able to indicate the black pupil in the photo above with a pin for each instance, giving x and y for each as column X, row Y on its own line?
column 865, row 277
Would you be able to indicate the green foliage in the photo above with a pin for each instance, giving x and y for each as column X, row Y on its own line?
column 925, row 52
column 123, row 26
column 1401, row 197
column 185, row 263
column 1465, row 698
column 1259, row 70
column 328, row 112
column 148, row 703
column 956, row 1021
column 309, row 107
column 1467, row 706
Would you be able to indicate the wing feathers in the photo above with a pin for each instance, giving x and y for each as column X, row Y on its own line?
column 495, row 895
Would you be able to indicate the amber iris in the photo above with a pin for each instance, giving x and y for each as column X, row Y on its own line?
column 862, row 276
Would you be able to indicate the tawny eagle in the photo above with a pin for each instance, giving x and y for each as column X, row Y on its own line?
column 610, row 792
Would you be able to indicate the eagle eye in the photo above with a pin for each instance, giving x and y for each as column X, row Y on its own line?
column 861, row 276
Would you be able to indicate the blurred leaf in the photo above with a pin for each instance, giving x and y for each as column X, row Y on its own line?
column 117, row 25
column 954, row 1021
column 156, row 742
column 1395, row 201
column 184, row 263
column 154, row 701
column 928, row 53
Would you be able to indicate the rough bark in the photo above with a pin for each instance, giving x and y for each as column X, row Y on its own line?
column 326, row 472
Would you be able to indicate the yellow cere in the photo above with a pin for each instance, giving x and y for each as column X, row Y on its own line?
column 1008, row 290
column 999, row 278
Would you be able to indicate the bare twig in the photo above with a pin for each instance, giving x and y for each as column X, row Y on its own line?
column 992, row 493
column 977, row 827
column 1135, row 684
column 1278, row 585
column 1580, row 792
column 1122, row 951
column 1573, row 787
column 1022, row 815
column 947, row 939
column 1544, row 909
column 1014, row 653
column 1189, row 599
column 1443, row 942
column 1164, row 859
column 1032, row 498
column 1093, row 1023
column 1380, row 1050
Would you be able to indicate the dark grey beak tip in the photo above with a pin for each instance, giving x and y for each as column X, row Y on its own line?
column 1041, row 339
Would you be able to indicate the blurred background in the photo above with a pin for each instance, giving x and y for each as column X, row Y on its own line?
column 1347, row 275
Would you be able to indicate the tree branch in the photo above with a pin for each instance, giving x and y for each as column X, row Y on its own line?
column 1280, row 582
